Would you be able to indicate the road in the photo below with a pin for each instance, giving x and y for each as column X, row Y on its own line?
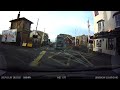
column 45, row 57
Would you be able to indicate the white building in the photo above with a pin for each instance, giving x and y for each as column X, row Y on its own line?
column 107, row 32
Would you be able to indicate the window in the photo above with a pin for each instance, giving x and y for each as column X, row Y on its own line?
column 110, row 43
column 94, row 44
column 98, row 43
column 106, row 44
column 117, row 20
column 96, row 13
column 100, row 25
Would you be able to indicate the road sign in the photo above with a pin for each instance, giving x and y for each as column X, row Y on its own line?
column 9, row 35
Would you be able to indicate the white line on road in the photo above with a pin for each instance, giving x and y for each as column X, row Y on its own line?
column 74, row 60
column 86, row 59
column 59, row 62
column 79, row 60
column 54, row 55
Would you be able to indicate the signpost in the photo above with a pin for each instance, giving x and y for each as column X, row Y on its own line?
column 9, row 35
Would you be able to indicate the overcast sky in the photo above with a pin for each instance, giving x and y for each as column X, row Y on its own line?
column 54, row 22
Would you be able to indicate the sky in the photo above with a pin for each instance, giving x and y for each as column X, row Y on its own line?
column 54, row 22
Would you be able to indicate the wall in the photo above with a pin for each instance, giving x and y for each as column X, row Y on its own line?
column 26, row 25
column 33, row 33
column 0, row 38
column 82, row 39
column 17, row 24
column 21, row 24
column 103, row 46
column 109, row 24
column 109, row 20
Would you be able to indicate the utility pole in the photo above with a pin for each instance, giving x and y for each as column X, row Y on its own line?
column 37, row 24
column 36, row 39
column 89, row 46
column 75, row 37
column 88, row 31
column 44, row 35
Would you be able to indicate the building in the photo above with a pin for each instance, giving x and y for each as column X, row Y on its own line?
column 39, row 38
column 73, row 41
column 81, row 40
column 64, row 40
column 45, row 39
column 107, row 32
column 68, row 41
column 23, row 26
column 0, row 38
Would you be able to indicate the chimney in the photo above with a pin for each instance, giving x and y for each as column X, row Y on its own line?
column 18, row 15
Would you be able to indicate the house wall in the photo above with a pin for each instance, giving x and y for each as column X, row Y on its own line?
column 21, row 25
column 17, row 24
column 109, row 24
column 104, row 46
column 0, row 38
column 109, row 20
column 26, row 25
column 33, row 33
column 82, row 40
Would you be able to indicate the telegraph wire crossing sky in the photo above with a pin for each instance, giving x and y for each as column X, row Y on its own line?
column 54, row 22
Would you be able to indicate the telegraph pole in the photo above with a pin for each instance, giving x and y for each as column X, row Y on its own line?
column 44, row 33
column 37, row 24
column 43, row 36
column 89, row 46
column 75, row 37
column 88, row 30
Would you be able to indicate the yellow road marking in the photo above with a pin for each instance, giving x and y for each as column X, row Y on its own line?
column 36, row 61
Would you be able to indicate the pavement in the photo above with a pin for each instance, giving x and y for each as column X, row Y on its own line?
column 49, row 58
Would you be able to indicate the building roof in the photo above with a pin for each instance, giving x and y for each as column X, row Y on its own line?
column 41, row 33
column 68, row 38
column 23, row 18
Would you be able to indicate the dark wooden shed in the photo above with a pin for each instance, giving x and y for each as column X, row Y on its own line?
column 23, row 26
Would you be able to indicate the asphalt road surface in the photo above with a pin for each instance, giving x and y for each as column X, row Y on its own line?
column 45, row 57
